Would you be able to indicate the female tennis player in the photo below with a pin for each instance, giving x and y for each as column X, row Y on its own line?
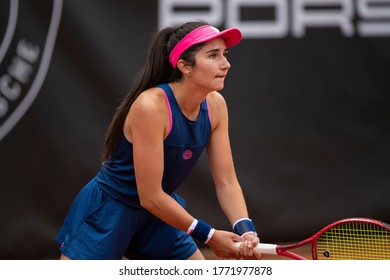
column 130, row 208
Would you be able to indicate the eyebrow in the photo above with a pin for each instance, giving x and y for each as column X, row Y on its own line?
column 217, row 50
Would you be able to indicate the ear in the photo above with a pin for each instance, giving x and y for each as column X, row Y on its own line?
column 184, row 67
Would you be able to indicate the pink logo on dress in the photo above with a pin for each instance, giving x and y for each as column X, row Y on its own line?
column 187, row 154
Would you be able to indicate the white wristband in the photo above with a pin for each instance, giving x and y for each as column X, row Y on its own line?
column 249, row 232
column 211, row 232
column 192, row 226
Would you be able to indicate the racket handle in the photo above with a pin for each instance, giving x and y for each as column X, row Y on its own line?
column 264, row 248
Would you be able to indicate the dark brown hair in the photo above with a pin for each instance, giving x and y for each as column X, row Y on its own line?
column 156, row 70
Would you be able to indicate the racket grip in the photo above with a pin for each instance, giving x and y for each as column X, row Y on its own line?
column 264, row 248
column 267, row 249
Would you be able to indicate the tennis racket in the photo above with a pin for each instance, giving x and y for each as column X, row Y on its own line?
column 347, row 239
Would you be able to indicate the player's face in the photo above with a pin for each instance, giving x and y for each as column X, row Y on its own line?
column 211, row 65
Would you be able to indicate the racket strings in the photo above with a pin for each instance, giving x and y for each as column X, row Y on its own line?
column 354, row 241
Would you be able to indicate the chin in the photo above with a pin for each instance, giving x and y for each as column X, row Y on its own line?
column 220, row 84
column 216, row 86
column 220, row 87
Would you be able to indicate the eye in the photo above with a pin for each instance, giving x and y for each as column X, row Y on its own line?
column 213, row 55
column 226, row 53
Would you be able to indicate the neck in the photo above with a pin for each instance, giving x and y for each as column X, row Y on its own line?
column 188, row 99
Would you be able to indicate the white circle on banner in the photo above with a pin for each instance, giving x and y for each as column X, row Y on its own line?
column 24, row 58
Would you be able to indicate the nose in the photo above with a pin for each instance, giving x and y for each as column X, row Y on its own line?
column 225, row 64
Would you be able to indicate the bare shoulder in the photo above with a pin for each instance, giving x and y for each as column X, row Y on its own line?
column 216, row 99
column 217, row 108
column 150, row 101
column 148, row 113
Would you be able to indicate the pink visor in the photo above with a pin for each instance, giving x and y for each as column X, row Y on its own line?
column 232, row 36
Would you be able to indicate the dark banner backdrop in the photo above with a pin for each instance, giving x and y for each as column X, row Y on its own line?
column 308, row 95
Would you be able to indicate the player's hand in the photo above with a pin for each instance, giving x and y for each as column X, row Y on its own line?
column 222, row 244
column 247, row 247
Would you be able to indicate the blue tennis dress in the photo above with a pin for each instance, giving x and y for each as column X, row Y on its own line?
column 106, row 220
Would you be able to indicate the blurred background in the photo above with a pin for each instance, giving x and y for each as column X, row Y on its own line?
column 308, row 96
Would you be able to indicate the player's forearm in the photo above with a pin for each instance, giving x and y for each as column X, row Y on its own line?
column 168, row 210
column 232, row 202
